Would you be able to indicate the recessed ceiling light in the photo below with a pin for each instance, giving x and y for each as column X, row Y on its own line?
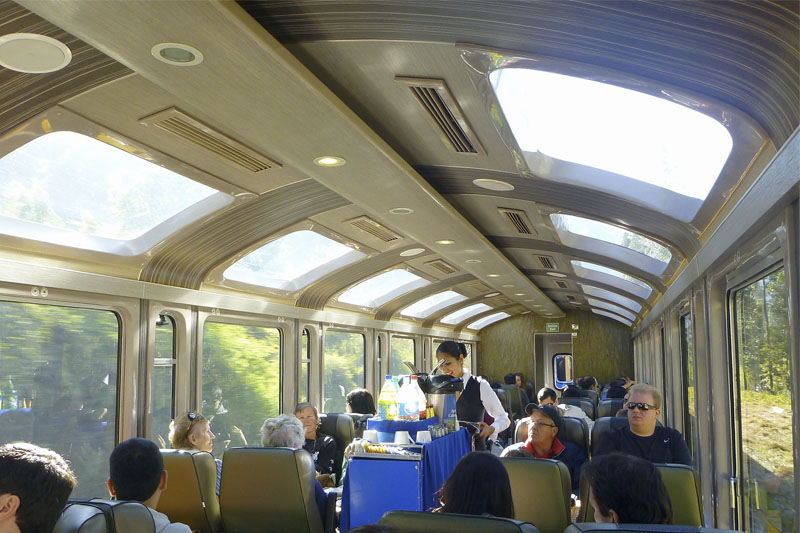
column 445, row 241
column 492, row 295
column 507, row 286
column 412, row 252
column 177, row 54
column 531, row 300
column 472, row 261
column 401, row 211
column 519, row 294
column 493, row 185
column 32, row 53
column 329, row 161
column 557, row 274
column 492, row 275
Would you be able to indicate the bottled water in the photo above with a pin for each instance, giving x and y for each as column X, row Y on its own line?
column 387, row 400
column 408, row 402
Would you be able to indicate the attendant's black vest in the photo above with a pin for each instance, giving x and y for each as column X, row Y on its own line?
column 469, row 407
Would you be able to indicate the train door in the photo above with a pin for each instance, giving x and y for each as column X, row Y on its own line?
column 762, row 385
column 552, row 360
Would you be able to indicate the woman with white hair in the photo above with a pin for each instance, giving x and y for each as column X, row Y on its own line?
column 286, row 431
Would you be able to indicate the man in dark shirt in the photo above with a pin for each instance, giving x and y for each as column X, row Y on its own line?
column 643, row 438
column 321, row 447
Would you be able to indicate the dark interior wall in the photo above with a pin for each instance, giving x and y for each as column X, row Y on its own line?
column 602, row 348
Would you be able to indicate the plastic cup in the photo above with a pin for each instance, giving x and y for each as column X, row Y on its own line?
column 371, row 435
column 423, row 436
column 402, row 437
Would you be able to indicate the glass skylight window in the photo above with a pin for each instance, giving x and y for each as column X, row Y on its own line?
column 611, row 307
column 429, row 305
column 612, row 315
column 485, row 321
column 612, row 234
column 465, row 313
column 74, row 183
column 379, row 289
column 647, row 289
column 293, row 261
column 627, row 303
column 632, row 134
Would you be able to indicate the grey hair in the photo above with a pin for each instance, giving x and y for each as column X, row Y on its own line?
column 283, row 431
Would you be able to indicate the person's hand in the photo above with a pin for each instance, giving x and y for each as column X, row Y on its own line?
column 484, row 430
column 326, row 480
column 235, row 429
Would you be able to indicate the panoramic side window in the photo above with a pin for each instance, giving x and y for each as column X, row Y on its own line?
column 382, row 288
column 344, row 360
column 74, row 190
column 162, row 392
column 764, row 393
column 634, row 286
column 402, row 350
column 58, row 385
column 241, row 381
column 689, row 381
column 599, row 304
column 627, row 303
column 305, row 364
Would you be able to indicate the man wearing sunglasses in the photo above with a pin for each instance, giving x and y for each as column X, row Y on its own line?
column 643, row 437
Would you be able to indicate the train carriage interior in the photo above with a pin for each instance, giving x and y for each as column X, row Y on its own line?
column 234, row 207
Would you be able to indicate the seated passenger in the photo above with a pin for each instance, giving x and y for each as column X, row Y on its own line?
column 137, row 474
column 511, row 379
column 643, row 438
column 321, row 447
column 478, row 485
column 574, row 392
column 624, row 411
column 191, row 431
column 543, row 443
column 285, row 431
column 519, row 453
column 360, row 401
column 589, row 383
column 547, row 396
column 34, row 486
column 626, row 489
column 619, row 387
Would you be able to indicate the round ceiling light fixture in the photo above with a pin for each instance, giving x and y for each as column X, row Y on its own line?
column 473, row 261
column 445, row 241
column 177, row 54
column 493, row 185
column 32, row 53
column 401, row 211
column 412, row 252
column 329, row 161
column 492, row 275
column 491, row 295
column 519, row 294
column 557, row 274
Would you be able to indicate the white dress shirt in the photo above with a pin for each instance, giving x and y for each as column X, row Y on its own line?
column 491, row 403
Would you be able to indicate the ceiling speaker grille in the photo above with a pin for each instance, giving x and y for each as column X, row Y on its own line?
column 376, row 229
column 562, row 284
column 519, row 220
column 442, row 266
column 223, row 147
column 444, row 113
column 547, row 262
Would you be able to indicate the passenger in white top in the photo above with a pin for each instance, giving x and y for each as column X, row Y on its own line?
column 137, row 474
column 547, row 396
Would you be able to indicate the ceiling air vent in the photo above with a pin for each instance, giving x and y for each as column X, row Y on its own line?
column 547, row 262
column 562, row 284
column 479, row 287
column 375, row 229
column 223, row 147
column 571, row 298
column 444, row 114
column 442, row 266
column 518, row 219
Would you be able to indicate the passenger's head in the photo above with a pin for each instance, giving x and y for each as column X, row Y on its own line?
column 34, row 486
column 588, row 383
column 547, row 396
column 519, row 380
column 450, row 351
column 283, row 431
column 191, row 431
column 307, row 414
column 544, row 425
column 626, row 489
column 478, row 485
column 646, row 402
column 360, row 401
column 136, row 471
column 510, row 379
column 616, row 392
column 572, row 392
column 519, row 453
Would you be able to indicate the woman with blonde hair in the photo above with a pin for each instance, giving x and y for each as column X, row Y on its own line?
column 192, row 431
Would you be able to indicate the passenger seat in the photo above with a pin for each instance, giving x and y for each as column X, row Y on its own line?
column 574, row 430
column 191, row 496
column 420, row 522
column 540, row 489
column 339, row 426
column 595, row 527
column 584, row 403
column 609, row 407
column 81, row 516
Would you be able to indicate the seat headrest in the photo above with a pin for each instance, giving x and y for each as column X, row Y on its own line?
column 87, row 516
column 420, row 522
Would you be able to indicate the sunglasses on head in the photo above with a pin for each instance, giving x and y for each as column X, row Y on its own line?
column 191, row 416
column 641, row 405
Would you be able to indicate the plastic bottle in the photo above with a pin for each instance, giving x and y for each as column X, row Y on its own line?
column 387, row 400
column 423, row 401
column 408, row 403
column 10, row 398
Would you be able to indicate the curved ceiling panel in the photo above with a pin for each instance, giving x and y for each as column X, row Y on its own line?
column 743, row 53
column 26, row 95
column 387, row 310
column 184, row 260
